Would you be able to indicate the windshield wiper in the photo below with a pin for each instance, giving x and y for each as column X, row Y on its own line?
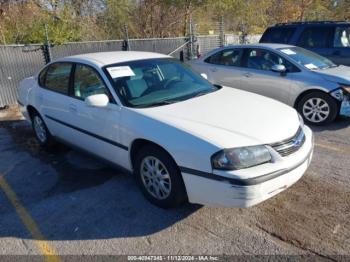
column 202, row 93
column 158, row 103
column 171, row 101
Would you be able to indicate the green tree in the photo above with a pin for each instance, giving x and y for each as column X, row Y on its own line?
column 23, row 22
column 113, row 16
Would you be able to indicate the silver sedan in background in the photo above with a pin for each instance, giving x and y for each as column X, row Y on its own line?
column 315, row 86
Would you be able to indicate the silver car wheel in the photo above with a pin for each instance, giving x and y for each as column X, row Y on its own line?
column 316, row 110
column 155, row 177
column 39, row 128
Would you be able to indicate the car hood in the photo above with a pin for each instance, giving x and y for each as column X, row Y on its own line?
column 230, row 118
column 340, row 74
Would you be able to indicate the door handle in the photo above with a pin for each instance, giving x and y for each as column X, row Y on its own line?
column 213, row 69
column 247, row 74
column 73, row 108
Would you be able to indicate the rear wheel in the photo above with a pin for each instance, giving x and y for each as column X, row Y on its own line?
column 159, row 177
column 41, row 131
column 318, row 108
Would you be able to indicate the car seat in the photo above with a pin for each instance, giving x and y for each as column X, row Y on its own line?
column 136, row 84
column 344, row 39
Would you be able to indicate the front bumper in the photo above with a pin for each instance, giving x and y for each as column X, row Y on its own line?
column 23, row 110
column 228, row 190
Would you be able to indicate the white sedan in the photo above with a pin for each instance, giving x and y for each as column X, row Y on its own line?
column 182, row 137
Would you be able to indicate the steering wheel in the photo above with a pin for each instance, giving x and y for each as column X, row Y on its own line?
column 171, row 81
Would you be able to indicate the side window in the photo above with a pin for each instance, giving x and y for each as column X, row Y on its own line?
column 278, row 35
column 42, row 76
column 315, row 37
column 57, row 77
column 87, row 82
column 228, row 57
column 261, row 59
column 214, row 59
column 342, row 37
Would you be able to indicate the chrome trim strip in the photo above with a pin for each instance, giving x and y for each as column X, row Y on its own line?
column 88, row 133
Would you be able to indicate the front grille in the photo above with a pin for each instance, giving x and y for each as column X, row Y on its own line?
column 291, row 145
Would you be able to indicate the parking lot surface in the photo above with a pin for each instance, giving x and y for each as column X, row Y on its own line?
column 65, row 202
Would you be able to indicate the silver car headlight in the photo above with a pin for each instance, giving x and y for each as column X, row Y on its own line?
column 338, row 94
column 239, row 158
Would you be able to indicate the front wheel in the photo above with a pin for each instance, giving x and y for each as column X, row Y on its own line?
column 159, row 177
column 318, row 108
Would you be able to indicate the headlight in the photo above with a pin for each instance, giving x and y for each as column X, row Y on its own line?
column 238, row 158
column 342, row 93
column 338, row 94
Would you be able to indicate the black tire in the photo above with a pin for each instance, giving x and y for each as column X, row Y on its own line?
column 177, row 194
column 313, row 98
column 48, row 142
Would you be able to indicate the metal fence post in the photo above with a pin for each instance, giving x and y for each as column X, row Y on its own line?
column 46, row 53
column 243, row 28
column 126, row 44
column 222, row 32
column 192, row 40
column 46, row 47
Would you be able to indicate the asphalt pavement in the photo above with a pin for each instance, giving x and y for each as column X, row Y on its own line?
column 68, row 203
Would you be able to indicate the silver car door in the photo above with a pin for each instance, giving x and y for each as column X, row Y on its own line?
column 260, row 79
column 223, row 67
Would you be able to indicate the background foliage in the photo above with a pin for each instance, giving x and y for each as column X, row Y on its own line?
column 22, row 21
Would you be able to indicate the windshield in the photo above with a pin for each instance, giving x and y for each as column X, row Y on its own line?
column 306, row 58
column 155, row 82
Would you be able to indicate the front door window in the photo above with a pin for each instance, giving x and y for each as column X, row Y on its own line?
column 87, row 82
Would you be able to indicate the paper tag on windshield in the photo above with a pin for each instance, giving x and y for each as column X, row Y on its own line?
column 311, row 66
column 288, row 51
column 120, row 71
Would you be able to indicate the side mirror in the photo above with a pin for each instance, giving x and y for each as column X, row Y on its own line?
column 204, row 76
column 279, row 69
column 100, row 100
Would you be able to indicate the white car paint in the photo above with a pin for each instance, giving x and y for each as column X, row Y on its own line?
column 191, row 131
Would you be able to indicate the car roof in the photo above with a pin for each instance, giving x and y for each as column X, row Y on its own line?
column 318, row 23
column 106, row 58
column 258, row 45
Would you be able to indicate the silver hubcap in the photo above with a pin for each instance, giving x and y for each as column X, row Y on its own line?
column 40, row 130
column 316, row 110
column 155, row 177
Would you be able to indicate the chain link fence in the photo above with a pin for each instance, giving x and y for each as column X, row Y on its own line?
column 16, row 63
column 58, row 51
column 20, row 61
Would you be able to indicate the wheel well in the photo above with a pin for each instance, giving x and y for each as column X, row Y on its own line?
column 31, row 110
column 306, row 93
column 138, row 144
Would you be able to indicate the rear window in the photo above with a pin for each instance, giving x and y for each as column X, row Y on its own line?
column 228, row 57
column 57, row 77
column 280, row 35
